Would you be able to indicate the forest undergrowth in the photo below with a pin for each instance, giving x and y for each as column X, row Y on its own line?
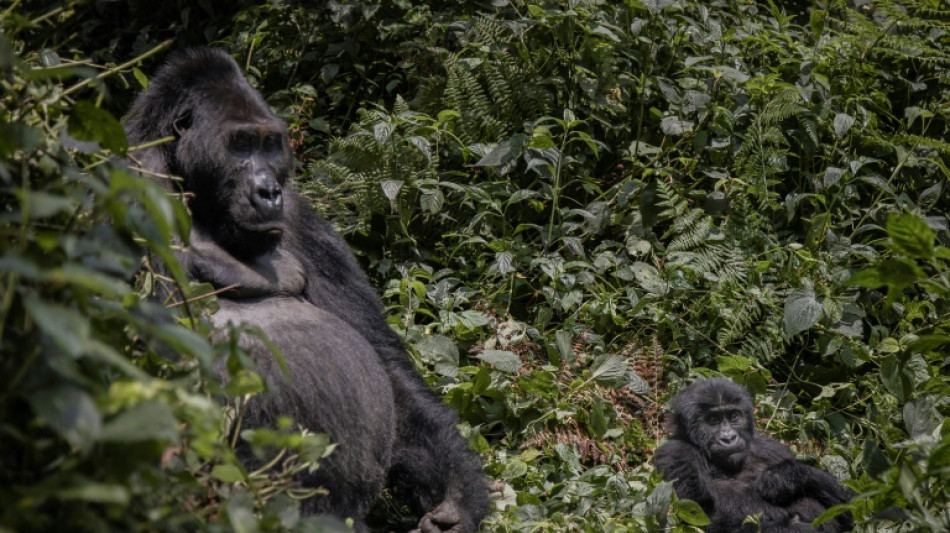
column 571, row 209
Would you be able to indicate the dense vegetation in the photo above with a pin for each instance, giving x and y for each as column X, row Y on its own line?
column 570, row 208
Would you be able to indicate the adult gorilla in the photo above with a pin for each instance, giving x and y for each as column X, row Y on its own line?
column 294, row 277
column 717, row 459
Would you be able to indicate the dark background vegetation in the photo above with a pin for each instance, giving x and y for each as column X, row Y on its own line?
column 571, row 209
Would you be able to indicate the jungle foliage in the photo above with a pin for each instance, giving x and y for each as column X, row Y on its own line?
column 571, row 209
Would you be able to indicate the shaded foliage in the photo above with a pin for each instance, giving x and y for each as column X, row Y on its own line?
column 573, row 209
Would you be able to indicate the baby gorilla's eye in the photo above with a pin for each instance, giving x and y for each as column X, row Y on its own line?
column 713, row 419
column 734, row 416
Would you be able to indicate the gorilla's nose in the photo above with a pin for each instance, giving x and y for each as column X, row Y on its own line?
column 728, row 440
column 268, row 199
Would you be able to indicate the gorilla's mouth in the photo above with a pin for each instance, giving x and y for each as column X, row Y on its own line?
column 271, row 229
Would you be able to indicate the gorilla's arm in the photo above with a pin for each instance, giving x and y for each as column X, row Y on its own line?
column 788, row 480
column 684, row 465
column 432, row 466
column 273, row 273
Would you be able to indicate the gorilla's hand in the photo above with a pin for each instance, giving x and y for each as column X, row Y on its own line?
column 782, row 483
column 445, row 518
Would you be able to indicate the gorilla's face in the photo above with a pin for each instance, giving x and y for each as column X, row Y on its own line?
column 716, row 416
column 235, row 158
column 724, row 434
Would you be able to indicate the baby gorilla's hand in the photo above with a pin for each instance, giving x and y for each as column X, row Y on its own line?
column 781, row 483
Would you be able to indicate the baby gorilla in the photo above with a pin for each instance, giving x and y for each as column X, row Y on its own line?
column 717, row 459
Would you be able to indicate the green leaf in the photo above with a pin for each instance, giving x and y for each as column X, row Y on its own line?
column 927, row 343
column 69, row 411
column 442, row 351
column 68, row 329
column 91, row 491
column 504, row 152
column 140, row 77
column 391, row 189
column 802, row 311
column 911, row 235
column 431, row 200
column 893, row 379
column 565, row 346
column 842, row 124
column 505, row 263
column 733, row 363
column 149, row 420
column 609, row 370
column 690, row 512
column 227, row 473
column 89, row 123
column 649, row 278
column 502, row 360
column 41, row 205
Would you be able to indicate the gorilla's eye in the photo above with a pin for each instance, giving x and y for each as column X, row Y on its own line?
column 272, row 142
column 242, row 142
column 713, row 419
column 734, row 416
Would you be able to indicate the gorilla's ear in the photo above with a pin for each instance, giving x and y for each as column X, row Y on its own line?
column 182, row 122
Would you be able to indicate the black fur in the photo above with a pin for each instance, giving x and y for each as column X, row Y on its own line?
column 717, row 459
column 296, row 279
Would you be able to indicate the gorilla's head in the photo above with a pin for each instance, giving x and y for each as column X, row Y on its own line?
column 229, row 148
column 716, row 416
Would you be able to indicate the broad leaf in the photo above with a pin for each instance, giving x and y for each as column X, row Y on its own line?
column 502, row 360
column 802, row 311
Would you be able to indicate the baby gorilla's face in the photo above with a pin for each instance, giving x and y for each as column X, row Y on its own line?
column 723, row 433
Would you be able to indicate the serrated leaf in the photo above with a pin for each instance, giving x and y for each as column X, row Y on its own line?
column 89, row 123
column 502, row 360
column 505, row 263
column 911, row 235
column 431, row 200
column 149, row 420
column 728, row 363
column 609, row 370
column 802, row 311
